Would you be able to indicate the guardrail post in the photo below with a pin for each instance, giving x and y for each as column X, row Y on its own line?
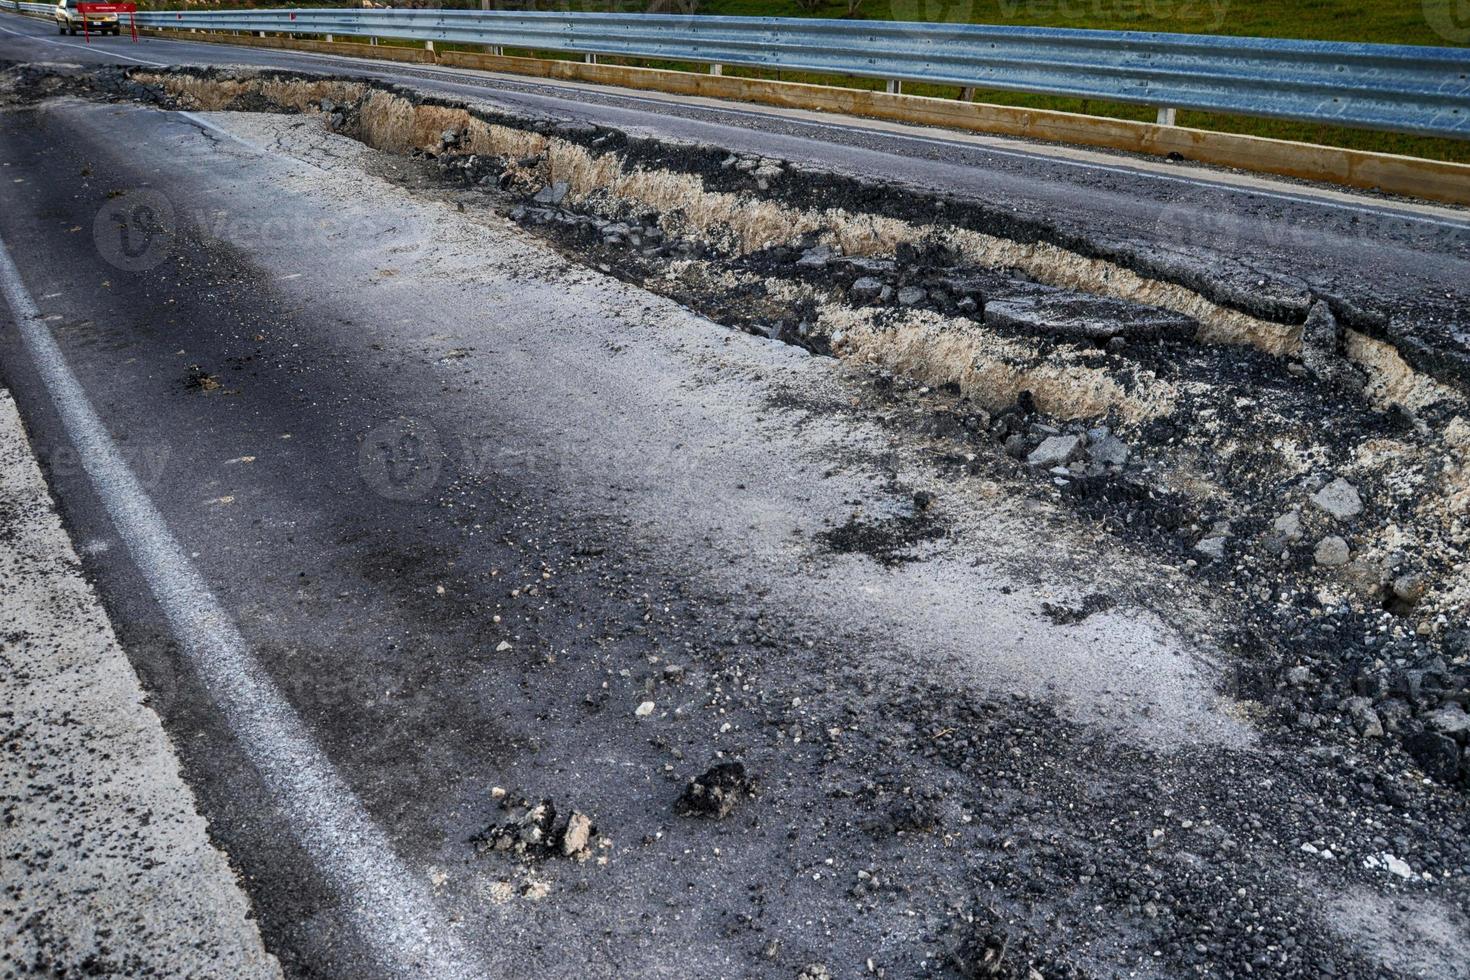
column 428, row 45
column 590, row 59
column 329, row 39
column 1166, row 116
column 895, row 86
column 717, row 69
column 373, row 41
column 967, row 94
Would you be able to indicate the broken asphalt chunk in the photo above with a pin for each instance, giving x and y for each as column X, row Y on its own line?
column 715, row 792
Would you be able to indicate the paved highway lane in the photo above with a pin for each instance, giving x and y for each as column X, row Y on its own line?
column 482, row 521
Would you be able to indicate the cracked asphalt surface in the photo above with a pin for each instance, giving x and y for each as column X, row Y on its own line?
column 493, row 521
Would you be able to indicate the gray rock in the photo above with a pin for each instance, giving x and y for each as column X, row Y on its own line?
column 1299, row 676
column 1055, row 451
column 1339, row 499
column 1409, row 588
column 449, row 137
column 815, row 258
column 1212, row 547
column 552, row 193
column 1450, row 720
column 1289, row 525
column 1068, row 314
column 1106, row 448
column 911, row 296
column 1365, row 719
column 1332, row 552
column 1394, row 713
column 578, row 835
column 865, row 290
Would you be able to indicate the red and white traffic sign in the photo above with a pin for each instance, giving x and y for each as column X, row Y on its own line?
column 90, row 9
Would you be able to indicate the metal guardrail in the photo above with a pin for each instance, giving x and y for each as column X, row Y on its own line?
column 1418, row 90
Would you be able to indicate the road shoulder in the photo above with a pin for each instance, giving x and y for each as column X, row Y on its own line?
column 87, row 771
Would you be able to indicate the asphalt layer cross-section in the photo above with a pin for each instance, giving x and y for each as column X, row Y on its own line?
column 495, row 524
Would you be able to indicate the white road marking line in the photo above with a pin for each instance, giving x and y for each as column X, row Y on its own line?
column 84, row 47
column 388, row 906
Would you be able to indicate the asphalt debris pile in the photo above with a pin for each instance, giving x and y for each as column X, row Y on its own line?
column 1064, row 615
column 534, row 830
column 716, row 792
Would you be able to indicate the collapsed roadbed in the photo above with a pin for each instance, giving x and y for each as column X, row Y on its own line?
column 1270, row 438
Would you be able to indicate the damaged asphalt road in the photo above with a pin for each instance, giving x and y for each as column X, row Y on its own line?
column 937, row 633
